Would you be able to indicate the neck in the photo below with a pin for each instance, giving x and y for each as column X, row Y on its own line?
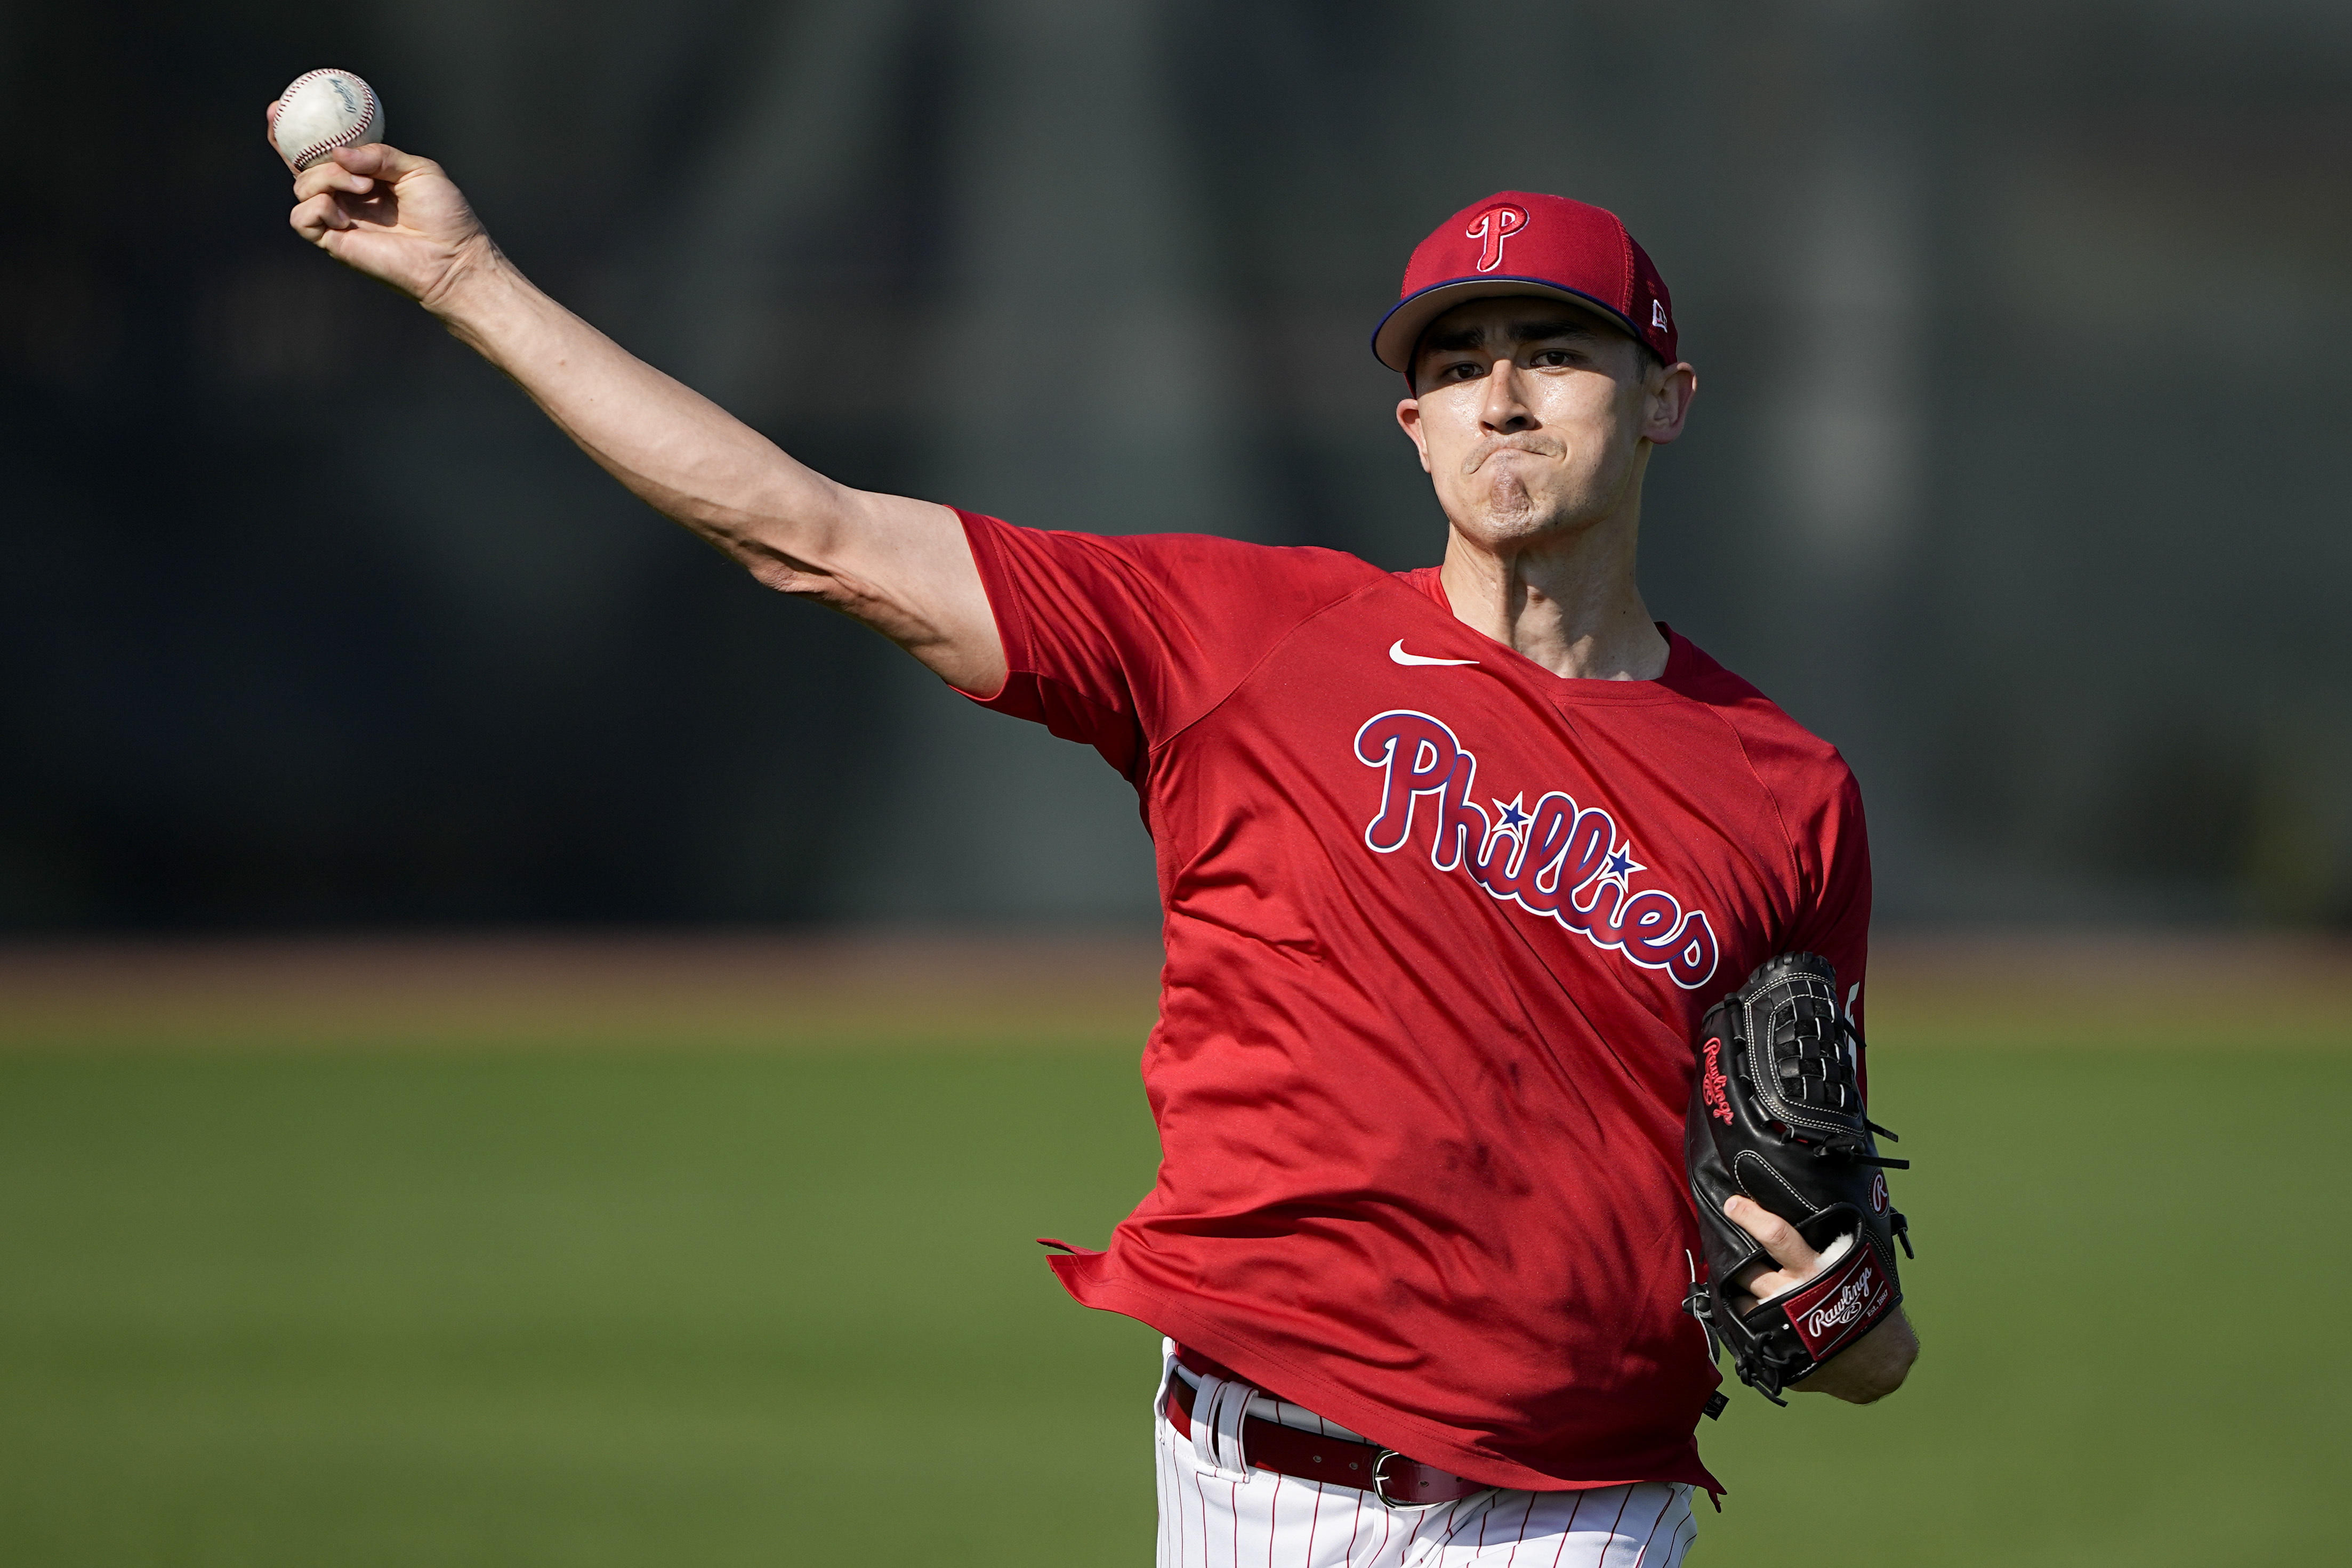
column 1567, row 600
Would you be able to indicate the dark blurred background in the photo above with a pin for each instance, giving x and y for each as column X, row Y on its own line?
column 2023, row 333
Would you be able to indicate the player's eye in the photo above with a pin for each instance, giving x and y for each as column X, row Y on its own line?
column 1549, row 358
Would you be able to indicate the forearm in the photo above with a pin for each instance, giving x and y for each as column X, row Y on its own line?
column 674, row 449
column 1872, row 1368
column 900, row 565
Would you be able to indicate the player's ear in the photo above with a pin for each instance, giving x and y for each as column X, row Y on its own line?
column 1409, row 417
column 1666, row 402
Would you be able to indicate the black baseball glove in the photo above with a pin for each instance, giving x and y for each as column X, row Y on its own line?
column 1777, row 1114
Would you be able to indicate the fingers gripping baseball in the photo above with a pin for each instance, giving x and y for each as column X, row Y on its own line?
column 391, row 215
column 1799, row 1262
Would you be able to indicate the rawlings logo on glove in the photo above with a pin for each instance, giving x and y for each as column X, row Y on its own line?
column 1825, row 1312
column 1710, row 1083
column 1777, row 1117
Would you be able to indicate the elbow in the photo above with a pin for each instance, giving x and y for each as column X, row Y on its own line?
column 788, row 575
column 780, row 574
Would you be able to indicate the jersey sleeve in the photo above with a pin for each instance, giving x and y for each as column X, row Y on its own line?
column 1833, row 857
column 1120, row 642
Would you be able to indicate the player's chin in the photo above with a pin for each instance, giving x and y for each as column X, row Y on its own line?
column 1507, row 517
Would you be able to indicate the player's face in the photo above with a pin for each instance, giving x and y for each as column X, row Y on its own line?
column 1535, row 418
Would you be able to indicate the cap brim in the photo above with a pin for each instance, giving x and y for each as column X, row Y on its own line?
column 1400, row 330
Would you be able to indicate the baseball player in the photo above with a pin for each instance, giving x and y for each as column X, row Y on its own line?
column 1453, row 862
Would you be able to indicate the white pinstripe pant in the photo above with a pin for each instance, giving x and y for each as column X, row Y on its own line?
column 1213, row 1517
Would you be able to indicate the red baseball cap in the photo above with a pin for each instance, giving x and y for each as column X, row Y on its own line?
column 1515, row 242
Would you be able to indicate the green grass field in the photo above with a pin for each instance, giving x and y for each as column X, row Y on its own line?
column 677, row 1308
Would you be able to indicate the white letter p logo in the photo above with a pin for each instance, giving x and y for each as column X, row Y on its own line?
column 1493, row 226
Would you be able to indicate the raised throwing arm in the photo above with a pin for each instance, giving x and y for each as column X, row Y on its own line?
column 900, row 565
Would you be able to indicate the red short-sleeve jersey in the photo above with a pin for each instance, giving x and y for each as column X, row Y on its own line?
column 1439, row 925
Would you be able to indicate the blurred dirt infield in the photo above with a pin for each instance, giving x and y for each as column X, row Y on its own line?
column 618, row 990
column 621, row 991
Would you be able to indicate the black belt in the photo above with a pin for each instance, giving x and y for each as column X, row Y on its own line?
column 1388, row 1474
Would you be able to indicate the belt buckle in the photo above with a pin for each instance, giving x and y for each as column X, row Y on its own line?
column 1380, row 1479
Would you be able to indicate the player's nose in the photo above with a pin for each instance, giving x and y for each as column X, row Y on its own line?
column 1505, row 411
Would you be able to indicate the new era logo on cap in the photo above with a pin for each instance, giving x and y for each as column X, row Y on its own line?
column 1519, row 242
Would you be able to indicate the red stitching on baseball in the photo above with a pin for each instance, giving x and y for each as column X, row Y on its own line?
column 344, row 137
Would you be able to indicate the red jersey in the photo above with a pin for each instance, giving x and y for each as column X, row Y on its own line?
column 1440, row 926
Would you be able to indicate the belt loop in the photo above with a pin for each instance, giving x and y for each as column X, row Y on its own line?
column 1236, row 1410
column 1205, row 1407
column 1220, row 1405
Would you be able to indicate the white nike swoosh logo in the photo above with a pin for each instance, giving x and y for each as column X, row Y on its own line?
column 1396, row 652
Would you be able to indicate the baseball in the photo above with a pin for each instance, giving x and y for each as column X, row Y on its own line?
column 323, row 110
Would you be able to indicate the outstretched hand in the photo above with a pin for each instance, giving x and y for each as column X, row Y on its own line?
column 1873, row 1366
column 390, row 215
